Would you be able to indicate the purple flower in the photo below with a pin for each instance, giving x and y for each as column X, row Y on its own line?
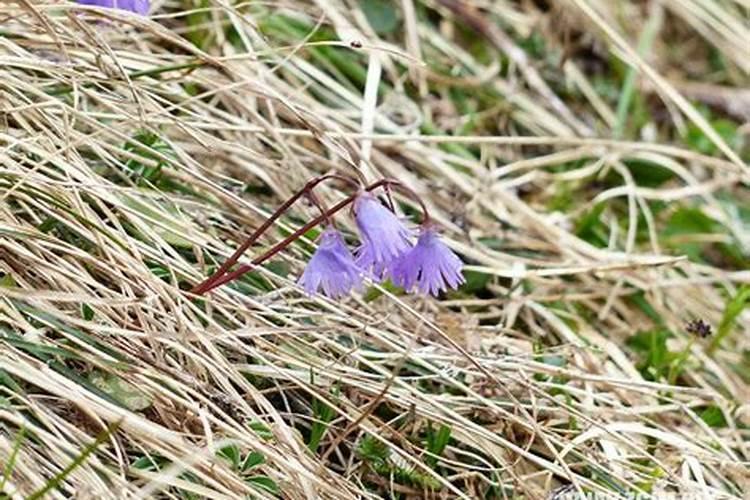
column 429, row 266
column 137, row 6
column 331, row 267
column 384, row 236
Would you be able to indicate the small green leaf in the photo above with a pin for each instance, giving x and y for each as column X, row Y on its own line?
column 656, row 359
column 153, row 462
column 87, row 312
column 381, row 14
column 731, row 312
column 232, row 454
column 475, row 281
column 590, row 227
column 713, row 416
column 261, row 429
column 11, row 461
column 266, row 483
column 322, row 415
column 253, row 459
column 649, row 174
column 8, row 381
column 436, row 442
column 726, row 129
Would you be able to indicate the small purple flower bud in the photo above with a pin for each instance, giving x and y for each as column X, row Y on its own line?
column 384, row 236
column 429, row 266
column 331, row 267
column 137, row 6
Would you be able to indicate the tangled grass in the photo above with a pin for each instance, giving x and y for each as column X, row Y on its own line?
column 587, row 159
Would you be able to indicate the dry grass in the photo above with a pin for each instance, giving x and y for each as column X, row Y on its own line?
column 137, row 153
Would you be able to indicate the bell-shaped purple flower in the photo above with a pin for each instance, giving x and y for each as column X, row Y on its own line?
column 137, row 6
column 384, row 237
column 331, row 267
column 430, row 266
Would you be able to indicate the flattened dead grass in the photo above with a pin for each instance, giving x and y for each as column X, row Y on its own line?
column 135, row 155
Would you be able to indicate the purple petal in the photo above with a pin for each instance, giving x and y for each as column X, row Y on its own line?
column 384, row 236
column 331, row 268
column 430, row 267
column 137, row 6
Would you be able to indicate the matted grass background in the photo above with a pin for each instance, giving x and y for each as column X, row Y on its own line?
column 586, row 158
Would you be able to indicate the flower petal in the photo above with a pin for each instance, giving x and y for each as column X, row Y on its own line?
column 384, row 236
column 430, row 267
column 138, row 6
column 331, row 268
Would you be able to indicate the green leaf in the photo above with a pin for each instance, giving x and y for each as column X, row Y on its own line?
column 253, row 459
column 20, row 437
column 436, row 442
column 640, row 301
column 261, row 429
column 381, row 14
column 80, row 459
column 7, row 281
column 731, row 312
column 42, row 352
column 475, row 281
column 322, row 415
column 649, row 174
column 713, row 416
column 591, row 229
column 153, row 462
column 197, row 20
column 656, row 359
column 230, row 453
column 8, row 381
column 86, row 312
column 645, row 41
column 726, row 129
column 690, row 223
column 266, row 483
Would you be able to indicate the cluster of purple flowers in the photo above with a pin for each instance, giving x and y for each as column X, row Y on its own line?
column 137, row 6
column 386, row 251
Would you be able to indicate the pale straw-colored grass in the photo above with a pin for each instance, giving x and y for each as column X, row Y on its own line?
column 532, row 376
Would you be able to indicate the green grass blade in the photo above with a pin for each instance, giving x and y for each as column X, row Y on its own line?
column 80, row 459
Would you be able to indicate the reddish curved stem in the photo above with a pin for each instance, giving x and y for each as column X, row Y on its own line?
column 244, row 268
column 405, row 189
column 209, row 282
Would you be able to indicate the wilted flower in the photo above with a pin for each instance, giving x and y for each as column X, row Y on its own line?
column 137, row 6
column 384, row 236
column 699, row 327
column 429, row 266
column 331, row 267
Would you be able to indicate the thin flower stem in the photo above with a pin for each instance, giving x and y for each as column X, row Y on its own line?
column 319, row 204
column 405, row 189
column 209, row 282
column 244, row 268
